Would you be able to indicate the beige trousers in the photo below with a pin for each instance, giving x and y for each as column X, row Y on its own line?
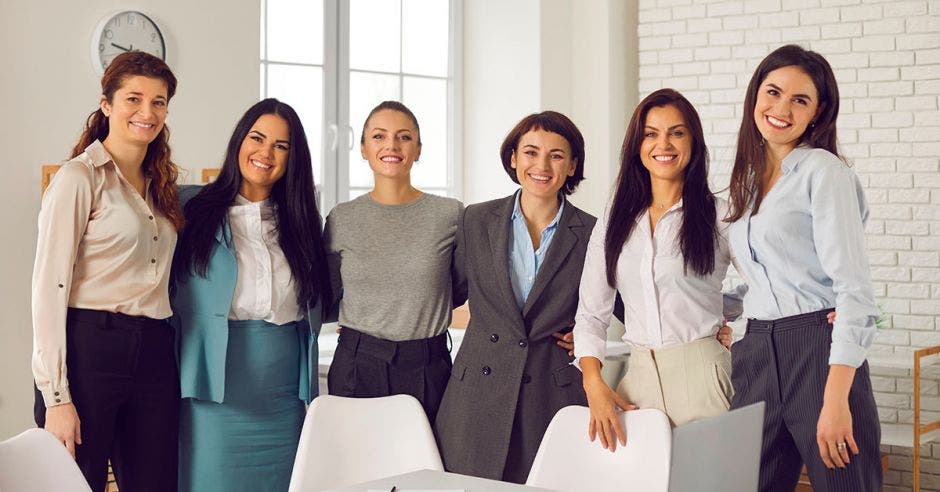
column 687, row 382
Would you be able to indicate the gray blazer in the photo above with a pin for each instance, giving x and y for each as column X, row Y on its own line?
column 510, row 377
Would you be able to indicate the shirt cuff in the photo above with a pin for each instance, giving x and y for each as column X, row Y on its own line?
column 846, row 354
column 589, row 347
column 60, row 396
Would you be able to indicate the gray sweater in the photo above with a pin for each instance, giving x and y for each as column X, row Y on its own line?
column 393, row 265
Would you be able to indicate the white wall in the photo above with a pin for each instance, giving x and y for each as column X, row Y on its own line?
column 49, row 88
column 524, row 56
column 886, row 56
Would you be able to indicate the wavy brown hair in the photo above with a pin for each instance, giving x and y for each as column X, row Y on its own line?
column 746, row 188
column 157, row 164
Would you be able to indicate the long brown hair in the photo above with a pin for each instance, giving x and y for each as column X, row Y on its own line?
column 157, row 164
column 634, row 194
column 746, row 184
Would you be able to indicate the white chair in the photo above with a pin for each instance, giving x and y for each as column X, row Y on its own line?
column 36, row 461
column 568, row 461
column 346, row 441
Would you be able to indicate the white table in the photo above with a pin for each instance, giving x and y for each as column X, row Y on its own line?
column 428, row 480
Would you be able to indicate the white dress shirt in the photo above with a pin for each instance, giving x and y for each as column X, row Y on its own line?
column 264, row 288
column 101, row 246
column 663, row 305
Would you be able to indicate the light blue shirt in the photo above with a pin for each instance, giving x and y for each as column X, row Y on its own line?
column 805, row 251
column 524, row 259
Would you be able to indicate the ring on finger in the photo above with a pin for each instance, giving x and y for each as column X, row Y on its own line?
column 841, row 446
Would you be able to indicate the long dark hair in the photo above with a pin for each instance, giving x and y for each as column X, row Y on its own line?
column 698, row 233
column 298, row 219
column 157, row 164
column 749, row 166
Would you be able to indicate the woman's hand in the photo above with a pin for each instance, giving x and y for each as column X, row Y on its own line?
column 565, row 341
column 604, row 404
column 725, row 335
column 834, row 428
column 834, row 434
column 62, row 422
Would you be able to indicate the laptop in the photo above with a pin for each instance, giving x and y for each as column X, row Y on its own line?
column 720, row 453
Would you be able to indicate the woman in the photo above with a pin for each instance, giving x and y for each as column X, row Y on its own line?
column 250, row 279
column 662, row 245
column 391, row 250
column 521, row 256
column 103, row 362
column 797, row 212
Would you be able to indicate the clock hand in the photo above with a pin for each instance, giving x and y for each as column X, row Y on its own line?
column 121, row 47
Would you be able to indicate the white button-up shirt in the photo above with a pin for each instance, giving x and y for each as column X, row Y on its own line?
column 663, row 305
column 264, row 288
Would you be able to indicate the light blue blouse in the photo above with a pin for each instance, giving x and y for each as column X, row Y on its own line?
column 524, row 259
column 804, row 251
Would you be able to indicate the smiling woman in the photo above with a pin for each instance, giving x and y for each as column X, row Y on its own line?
column 103, row 353
column 661, row 243
column 251, row 250
column 391, row 253
column 521, row 258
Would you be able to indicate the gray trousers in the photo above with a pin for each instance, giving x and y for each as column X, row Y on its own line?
column 785, row 363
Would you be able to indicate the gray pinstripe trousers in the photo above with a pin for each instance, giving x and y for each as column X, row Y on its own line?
column 785, row 363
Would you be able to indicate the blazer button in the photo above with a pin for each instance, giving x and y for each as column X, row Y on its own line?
column 58, row 400
column 526, row 379
column 486, row 370
column 494, row 338
column 523, row 343
column 56, row 393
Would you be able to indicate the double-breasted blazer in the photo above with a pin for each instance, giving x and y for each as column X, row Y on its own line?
column 200, row 317
column 509, row 377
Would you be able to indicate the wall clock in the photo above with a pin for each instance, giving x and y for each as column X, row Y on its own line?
column 122, row 31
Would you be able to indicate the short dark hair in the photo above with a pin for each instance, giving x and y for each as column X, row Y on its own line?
column 394, row 106
column 550, row 121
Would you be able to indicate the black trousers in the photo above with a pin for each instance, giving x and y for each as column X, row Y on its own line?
column 366, row 367
column 785, row 362
column 125, row 386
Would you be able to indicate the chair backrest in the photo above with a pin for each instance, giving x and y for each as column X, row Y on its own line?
column 346, row 441
column 718, row 453
column 568, row 461
column 35, row 460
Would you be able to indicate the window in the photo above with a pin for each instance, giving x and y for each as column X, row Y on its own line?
column 333, row 60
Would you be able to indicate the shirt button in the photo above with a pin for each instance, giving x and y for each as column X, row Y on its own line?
column 61, row 286
column 56, row 393
column 155, row 238
column 153, row 260
column 523, row 343
column 58, row 400
column 486, row 370
column 150, row 217
column 494, row 338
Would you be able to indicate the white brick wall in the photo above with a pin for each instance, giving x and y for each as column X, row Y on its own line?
column 886, row 55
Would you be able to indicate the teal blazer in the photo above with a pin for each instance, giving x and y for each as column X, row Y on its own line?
column 200, row 317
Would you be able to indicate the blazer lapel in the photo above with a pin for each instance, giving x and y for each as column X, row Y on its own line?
column 498, row 228
column 562, row 243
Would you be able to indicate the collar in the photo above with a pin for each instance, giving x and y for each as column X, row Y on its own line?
column 517, row 210
column 795, row 157
column 97, row 154
column 242, row 201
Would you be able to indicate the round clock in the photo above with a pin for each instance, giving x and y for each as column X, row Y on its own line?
column 127, row 30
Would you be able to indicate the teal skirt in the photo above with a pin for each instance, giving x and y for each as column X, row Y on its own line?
column 248, row 442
